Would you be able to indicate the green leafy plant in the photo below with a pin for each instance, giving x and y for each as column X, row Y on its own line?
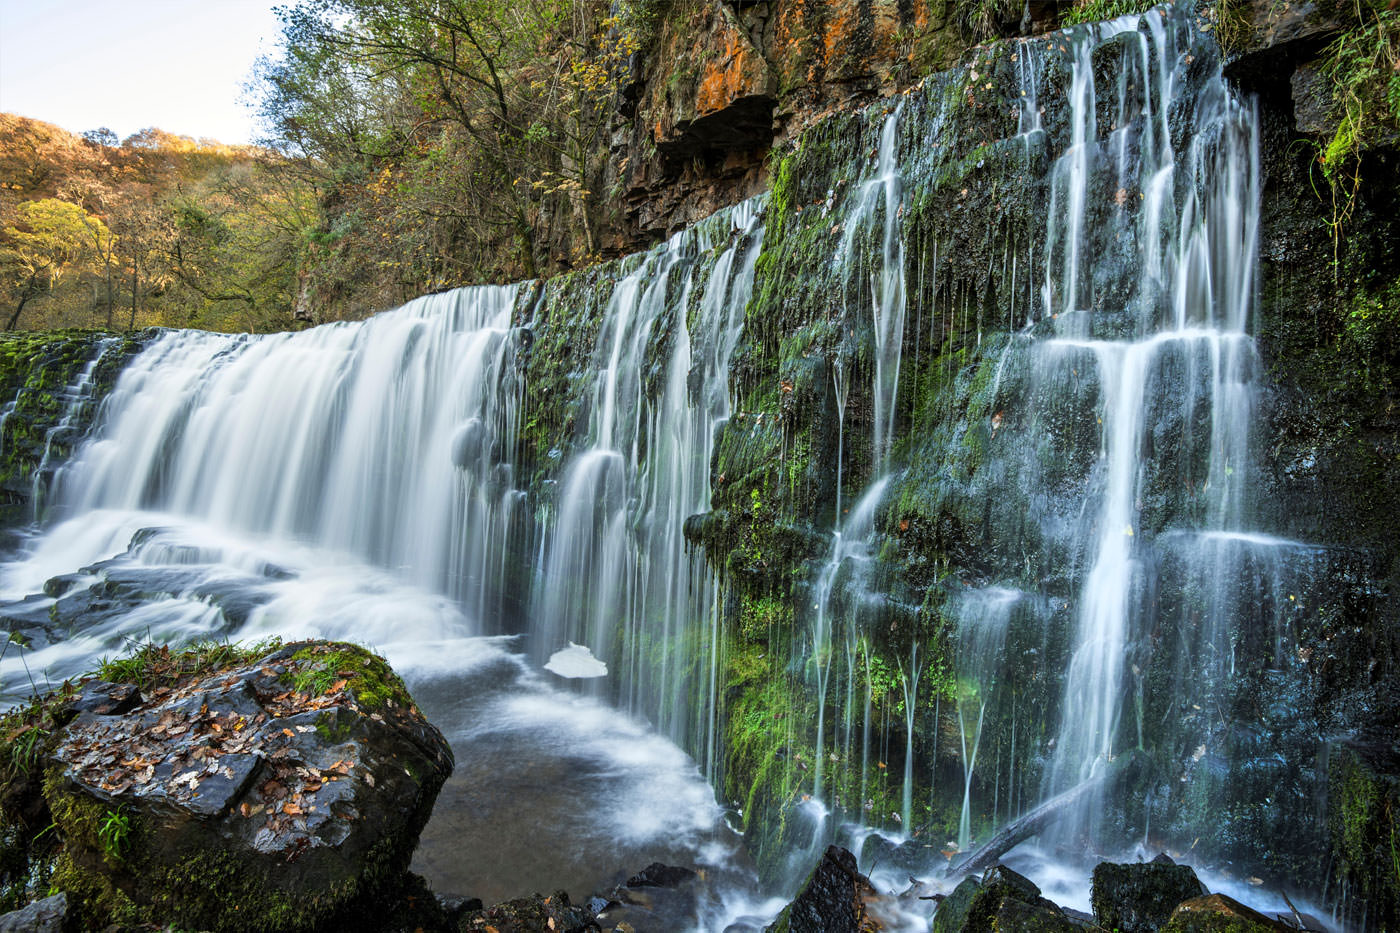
column 1093, row 11
column 115, row 833
column 1363, row 67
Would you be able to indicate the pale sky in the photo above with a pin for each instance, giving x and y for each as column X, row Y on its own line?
column 129, row 64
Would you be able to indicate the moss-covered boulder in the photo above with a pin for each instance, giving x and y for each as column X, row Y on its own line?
column 1217, row 913
column 280, row 788
column 1140, row 898
column 1002, row 901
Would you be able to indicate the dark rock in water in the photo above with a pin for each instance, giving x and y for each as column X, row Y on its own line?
column 832, row 900
column 1162, row 858
column 281, row 791
column 657, row 875
column 1216, row 913
column 455, row 906
column 951, row 915
column 533, row 914
column 49, row 915
column 1013, row 882
column 911, row 856
column 657, row 899
column 1140, row 898
column 1003, row 901
column 415, row 909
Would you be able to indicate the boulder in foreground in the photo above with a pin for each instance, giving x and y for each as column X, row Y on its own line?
column 278, row 789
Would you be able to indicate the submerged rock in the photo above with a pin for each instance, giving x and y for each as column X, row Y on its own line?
column 280, row 789
column 656, row 899
column 657, row 875
column 533, row 914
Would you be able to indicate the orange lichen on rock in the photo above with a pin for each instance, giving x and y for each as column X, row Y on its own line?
column 737, row 71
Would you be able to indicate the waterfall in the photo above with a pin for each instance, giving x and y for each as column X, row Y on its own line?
column 1184, row 306
column 618, row 576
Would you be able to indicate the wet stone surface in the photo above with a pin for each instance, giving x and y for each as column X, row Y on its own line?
column 312, row 755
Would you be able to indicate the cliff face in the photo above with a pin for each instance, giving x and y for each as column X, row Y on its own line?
column 723, row 83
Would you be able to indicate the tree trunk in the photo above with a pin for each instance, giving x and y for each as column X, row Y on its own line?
column 109, row 293
column 14, row 318
column 1036, row 820
column 132, row 325
column 25, row 294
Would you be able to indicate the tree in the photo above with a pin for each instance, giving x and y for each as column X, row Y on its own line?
column 450, row 128
column 50, row 236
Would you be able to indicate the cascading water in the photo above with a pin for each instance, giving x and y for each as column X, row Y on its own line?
column 1184, row 305
column 619, row 577
column 358, row 481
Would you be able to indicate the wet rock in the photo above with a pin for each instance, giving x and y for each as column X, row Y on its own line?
column 657, row 875
column 1216, row 913
column 107, row 699
column 659, row 898
column 1140, row 898
column 455, row 907
column 834, row 899
column 910, row 857
column 951, row 915
column 533, row 914
column 1003, row 901
column 278, row 791
column 49, row 915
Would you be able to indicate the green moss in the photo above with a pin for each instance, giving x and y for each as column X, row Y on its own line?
column 319, row 667
column 1363, row 811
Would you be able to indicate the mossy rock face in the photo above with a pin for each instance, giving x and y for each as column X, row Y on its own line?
column 1363, row 817
column 46, row 378
column 1140, row 898
column 280, row 789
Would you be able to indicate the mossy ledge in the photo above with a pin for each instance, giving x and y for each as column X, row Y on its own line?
column 310, row 774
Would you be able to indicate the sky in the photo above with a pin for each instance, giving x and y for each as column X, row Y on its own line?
column 179, row 65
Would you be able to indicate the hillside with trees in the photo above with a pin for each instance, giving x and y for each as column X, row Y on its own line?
column 155, row 229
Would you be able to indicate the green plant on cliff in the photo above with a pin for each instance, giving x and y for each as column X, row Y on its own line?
column 981, row 20
column 1093, row 11
column 1363, row 67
